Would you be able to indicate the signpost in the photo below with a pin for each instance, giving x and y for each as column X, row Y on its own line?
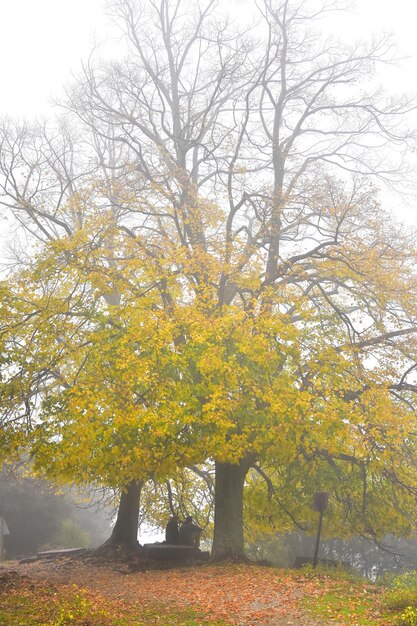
column 3, row 532
column 321, row 499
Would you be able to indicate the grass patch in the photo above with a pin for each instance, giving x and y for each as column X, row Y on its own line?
column 345, row 598
column 400, row 598
column 345, row 606
column 26, row 603
column 401, row 592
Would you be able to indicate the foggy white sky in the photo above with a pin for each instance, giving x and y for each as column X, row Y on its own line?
column 42, row 40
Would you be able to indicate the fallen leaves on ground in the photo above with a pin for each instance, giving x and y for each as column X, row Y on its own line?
column 239, row 595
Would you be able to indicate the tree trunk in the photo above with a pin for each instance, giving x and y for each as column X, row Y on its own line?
column 125, row 531
column 228, row 511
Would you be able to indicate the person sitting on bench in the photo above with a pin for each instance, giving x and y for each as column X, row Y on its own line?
column 189, row 533
column 172, row 531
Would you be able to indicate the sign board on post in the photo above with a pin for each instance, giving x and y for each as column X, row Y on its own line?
column 321, row 500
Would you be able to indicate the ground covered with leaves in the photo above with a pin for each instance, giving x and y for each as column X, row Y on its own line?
column 78, row 592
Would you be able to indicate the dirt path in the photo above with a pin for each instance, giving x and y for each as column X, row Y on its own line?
column 243, row 595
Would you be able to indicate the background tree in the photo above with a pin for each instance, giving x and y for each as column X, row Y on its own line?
column 39, row 518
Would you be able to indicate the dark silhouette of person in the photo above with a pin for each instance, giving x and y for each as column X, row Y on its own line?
column 189, row 533
column 172, row 531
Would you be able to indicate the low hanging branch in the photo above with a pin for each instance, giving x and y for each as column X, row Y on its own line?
column 272, row 494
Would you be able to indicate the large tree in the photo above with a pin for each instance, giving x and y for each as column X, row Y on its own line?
column 135, row 390
column 217, row 191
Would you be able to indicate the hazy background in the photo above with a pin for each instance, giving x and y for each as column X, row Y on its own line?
column 42, row 43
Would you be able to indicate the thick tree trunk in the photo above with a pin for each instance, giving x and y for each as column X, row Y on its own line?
column 125, row 531
column 228, row 511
